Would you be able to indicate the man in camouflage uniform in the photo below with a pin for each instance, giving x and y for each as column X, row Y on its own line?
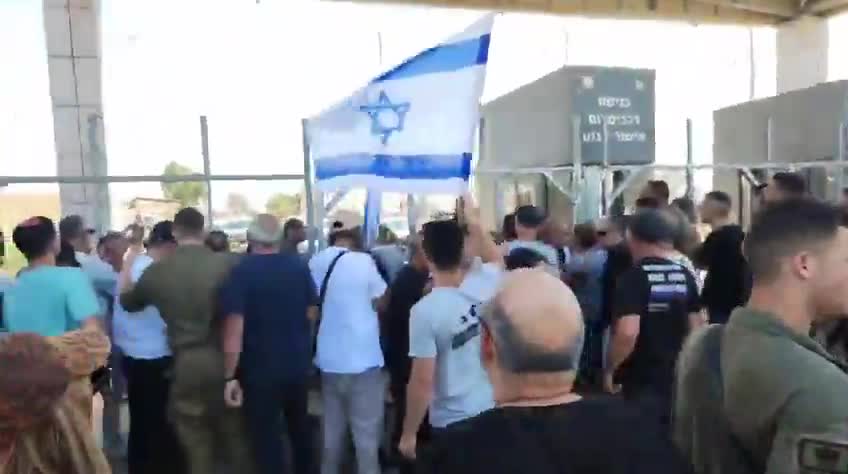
column 184, row 289
column 749, row 394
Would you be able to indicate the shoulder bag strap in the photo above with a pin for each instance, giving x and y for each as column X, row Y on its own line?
column 714, row 343
column 322, row 292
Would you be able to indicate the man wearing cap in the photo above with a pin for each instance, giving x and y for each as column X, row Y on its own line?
column 141, row 336
column 529, row 220
column 268, row 303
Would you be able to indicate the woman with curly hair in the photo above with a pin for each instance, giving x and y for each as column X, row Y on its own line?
column 43, row 429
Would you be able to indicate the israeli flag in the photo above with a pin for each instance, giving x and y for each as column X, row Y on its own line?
column 412, row 129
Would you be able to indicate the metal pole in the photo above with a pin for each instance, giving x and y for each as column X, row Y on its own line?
column 204, row 143
column 335, row 200
column 577, row 162
column 500, row 208
column 158, row 178
column 690, row 162
column 840, row 157
column 307, row 191
column 604, row 166
column 102, row 209
column 411, row 214
column 770, row 140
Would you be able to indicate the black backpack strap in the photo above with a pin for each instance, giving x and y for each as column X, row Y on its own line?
column 713, row 342
column 322, row 292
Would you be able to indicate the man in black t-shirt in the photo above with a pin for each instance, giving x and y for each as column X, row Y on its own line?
column 728, row 281
column 405, row 291
column 611, row 232
column 531, row 340
column 655, row 307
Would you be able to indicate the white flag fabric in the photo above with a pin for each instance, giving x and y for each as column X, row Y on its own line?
column 412, row 129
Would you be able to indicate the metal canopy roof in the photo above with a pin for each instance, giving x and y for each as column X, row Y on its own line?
column 699, row 11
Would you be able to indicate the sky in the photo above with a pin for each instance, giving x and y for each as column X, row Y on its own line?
column 257, row 69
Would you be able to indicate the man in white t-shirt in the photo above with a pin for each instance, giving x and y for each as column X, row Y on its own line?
column 147, row 362
column 348, row 353
column 444, row 334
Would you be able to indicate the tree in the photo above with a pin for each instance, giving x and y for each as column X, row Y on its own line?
column 283, row 205
column 188, row 193
column 238, row 204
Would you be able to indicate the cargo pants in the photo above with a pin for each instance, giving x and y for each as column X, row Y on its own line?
column 211, row 434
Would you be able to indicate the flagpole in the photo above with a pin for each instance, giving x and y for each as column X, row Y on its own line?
column 373, row 199
column 311, row 221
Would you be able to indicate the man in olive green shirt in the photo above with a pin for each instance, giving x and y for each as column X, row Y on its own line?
column 747, row 394
column 184, row 289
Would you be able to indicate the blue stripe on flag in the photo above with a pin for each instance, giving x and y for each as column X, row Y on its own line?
column 395, row 166
column 442, row 58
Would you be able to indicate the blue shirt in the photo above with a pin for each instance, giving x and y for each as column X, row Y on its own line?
column 140, row 335
column 5, row 283
column 273, row 293
column 49, row 301
column 445, row 326
column 586, row 271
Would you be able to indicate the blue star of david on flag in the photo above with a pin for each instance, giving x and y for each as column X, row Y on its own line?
column 382, row 125
column 369, row 139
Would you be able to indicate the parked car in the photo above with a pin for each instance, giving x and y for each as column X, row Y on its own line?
column 398, row 225
column 236, row 230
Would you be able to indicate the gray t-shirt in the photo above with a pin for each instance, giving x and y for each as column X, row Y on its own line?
column 444, row 325
column 393, row 257
column 542, row 248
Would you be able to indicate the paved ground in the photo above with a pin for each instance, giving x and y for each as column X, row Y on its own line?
column 119, row 465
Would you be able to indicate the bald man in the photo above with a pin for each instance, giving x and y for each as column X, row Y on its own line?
column 270, row 301
column 532, row 335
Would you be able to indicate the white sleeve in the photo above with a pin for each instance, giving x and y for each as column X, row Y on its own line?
column 422, row 340
column 139, row 266
column 376, row 285
column 314, row 269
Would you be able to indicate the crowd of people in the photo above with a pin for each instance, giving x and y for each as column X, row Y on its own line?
column 626, row 345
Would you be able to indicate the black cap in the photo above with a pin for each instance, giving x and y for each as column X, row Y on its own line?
column 162, row 233
column 530, row 216
column 71, row 227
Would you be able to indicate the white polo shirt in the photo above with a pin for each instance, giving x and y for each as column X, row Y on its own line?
column 349, row 335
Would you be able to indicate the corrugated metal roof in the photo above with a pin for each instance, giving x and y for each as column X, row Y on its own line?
column 699, row 11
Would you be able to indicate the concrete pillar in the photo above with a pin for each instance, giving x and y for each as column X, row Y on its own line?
column 802, row 53
column 73, row 52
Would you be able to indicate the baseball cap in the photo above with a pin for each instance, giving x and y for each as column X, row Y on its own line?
column 265, row 229
column 530, row 216
column 162, row 233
